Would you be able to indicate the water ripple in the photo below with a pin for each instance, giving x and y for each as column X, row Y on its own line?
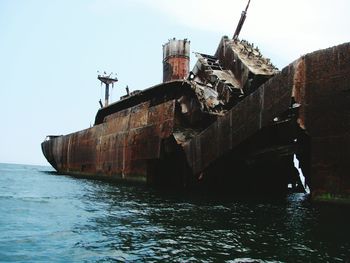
column 44, row 217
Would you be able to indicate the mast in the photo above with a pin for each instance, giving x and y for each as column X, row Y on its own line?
column 106, row 79
column 241, row 22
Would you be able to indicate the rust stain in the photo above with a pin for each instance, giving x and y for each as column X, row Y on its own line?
column 176, row 59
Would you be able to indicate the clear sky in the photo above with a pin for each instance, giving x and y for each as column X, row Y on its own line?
column 50, row 52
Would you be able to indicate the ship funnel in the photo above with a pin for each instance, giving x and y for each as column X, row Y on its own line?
column 176, row 59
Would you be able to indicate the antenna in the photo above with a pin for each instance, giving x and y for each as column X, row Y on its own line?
column 241, row 22
column 106, row 79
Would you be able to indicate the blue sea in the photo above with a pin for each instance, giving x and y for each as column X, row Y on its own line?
column 45, row 217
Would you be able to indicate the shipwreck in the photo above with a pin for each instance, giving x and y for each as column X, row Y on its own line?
column 234, row 122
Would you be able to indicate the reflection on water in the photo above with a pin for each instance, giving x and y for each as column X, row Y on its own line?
column 44, row 217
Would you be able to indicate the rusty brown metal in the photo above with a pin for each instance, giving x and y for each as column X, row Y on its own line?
column 322, row 88
column 235, row 119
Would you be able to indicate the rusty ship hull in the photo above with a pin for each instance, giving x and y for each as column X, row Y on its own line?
column 235, row 122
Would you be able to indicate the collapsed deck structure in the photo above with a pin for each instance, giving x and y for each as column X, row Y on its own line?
column 235, row 123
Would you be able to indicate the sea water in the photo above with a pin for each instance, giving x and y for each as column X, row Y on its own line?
column 45, row 217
